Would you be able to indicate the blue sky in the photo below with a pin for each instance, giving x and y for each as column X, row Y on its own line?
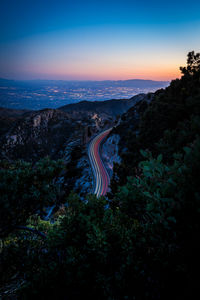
column 96, row 39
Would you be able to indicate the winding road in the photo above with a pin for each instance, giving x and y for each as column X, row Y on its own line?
column 100, row 173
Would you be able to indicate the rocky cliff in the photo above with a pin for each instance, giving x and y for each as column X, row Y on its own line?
column 63, row 133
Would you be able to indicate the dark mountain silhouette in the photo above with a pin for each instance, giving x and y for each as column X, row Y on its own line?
column 112, row 107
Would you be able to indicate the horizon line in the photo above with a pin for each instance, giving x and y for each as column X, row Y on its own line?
column 86, row 80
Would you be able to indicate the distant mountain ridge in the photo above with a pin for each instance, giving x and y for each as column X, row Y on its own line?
column 132, row 82
column 112, row 107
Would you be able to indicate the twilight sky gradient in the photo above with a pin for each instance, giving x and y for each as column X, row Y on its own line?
column 97, row 40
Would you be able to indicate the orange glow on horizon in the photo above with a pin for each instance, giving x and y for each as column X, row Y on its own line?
column 104, row 68
column 151, row 74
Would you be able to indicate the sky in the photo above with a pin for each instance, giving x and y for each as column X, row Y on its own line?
column 97, row 40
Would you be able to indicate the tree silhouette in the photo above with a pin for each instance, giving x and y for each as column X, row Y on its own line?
column 193, row 64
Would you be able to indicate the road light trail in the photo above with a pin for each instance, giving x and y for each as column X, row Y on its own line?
column 100, row 173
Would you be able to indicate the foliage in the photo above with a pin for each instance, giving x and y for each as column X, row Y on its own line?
column 170, row 111
column 144, row 247
column 25, row 189
column 193, row 63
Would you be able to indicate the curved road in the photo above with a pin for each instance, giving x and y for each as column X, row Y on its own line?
column 100, row 173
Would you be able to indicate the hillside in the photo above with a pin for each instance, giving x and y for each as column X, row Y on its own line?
column 59, row 134
column 112, row 108
column 31, row 135
column 166, row 124
column 8, row 117
column 142, row 241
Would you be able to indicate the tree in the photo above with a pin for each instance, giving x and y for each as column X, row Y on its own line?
column 193, row 64
column 26, row 189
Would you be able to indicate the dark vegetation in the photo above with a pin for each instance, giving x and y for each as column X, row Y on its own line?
column 142, row 243
column 9, row 117
column 165, row 125
column 73, row 172
column 26, row 189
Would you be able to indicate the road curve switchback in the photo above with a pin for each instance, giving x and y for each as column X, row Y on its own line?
column 100, row 173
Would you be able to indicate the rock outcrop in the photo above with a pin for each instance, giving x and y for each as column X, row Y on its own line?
column 64, row 133
column 110, row 151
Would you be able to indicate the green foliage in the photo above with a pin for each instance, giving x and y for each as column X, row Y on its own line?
column 148, row 239
column 25, row 189
column 167, row 124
